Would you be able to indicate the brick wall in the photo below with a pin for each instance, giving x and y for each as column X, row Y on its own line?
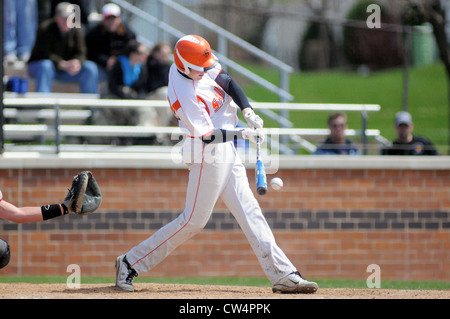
column 332, row 223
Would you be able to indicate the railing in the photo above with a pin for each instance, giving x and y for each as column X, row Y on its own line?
column 56, row 109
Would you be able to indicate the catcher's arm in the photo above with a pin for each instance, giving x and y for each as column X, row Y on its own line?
column 84, row 197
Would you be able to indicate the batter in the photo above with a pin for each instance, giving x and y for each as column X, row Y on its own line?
column 205, row 99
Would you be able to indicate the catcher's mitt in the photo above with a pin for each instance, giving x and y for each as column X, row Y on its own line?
column 84, row 197
column 92, row 197
column 5, row 254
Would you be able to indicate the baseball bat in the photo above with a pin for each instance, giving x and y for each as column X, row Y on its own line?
column 260, row 171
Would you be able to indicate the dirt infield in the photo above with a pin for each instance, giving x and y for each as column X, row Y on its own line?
column 175, row 291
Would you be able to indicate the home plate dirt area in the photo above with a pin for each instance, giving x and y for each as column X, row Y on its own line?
column 187, row 291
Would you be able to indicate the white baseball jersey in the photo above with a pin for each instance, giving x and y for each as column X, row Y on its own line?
column 201, row 105
column 216, row 172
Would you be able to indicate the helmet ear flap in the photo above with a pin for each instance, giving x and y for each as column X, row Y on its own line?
column 181, row 65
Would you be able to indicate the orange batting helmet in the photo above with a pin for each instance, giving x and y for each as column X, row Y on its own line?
column 193, row 52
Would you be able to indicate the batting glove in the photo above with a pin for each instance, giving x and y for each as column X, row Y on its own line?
column 251, row 134
column 253, row 120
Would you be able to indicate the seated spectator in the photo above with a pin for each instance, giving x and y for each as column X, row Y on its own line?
column 128, row 77
column 127, row 80
column 60, row 54
column 337, row 143
column 108, row 39
column 158, row 66
column 406, row 143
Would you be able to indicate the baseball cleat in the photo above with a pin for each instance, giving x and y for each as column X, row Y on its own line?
column 294, row 283
column 124, row 274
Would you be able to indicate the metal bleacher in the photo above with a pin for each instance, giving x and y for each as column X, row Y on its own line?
column 49, row 118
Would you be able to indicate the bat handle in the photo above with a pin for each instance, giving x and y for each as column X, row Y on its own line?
column 258, row 147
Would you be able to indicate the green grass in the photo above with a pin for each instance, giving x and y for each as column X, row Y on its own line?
column 240, row 281
column 428, row 101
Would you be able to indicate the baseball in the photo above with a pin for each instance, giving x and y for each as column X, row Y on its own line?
column 276, row 183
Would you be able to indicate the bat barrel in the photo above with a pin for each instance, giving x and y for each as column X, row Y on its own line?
column 261, row 180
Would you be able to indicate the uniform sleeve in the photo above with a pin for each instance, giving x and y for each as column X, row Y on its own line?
column 230, row 86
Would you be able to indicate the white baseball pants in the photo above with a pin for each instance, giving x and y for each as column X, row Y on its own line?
column 220, row 174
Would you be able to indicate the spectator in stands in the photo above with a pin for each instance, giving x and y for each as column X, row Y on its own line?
column 128, row 77
column 406, row 143
column 60, row 54
column 20, row 25
column 337, row 143
column 158, row 65
column 108, row 39
column 127, row 80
